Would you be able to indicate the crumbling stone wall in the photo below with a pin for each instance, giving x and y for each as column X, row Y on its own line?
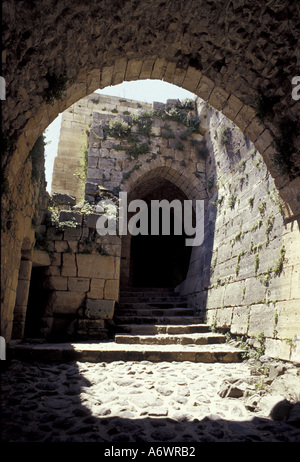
column 81, row 275
column 131, row 146
column 70, row 164
column 245, row 277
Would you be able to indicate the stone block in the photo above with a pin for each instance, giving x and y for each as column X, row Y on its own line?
column 66, row 302
column 215, row 297
column 53, row 234
column 192, row 79
column 218, row 98
column 66, row 215
column 55, row 283
column 95, row 266
column 224, row 316
column 232, row 107
column 96, row 289
column 73, row 245
column 111, row 290
column 78, row 284
column 157, row 106
column 281, row 349
column 41, row 258
column 205, row 88
column 63, row 199
column 233, row 294
column 244, row 117
column 52, row 271
column 288, row 310
column 60, row 246
column 239, row 324
column 25, row 269
column 68, row 265
column 261, row 319
column 99, row 309
column 22, row 292
column 91, row 220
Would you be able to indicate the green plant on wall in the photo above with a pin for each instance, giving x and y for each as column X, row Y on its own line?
column 256, row 263
column 279, row 263
column 144, row 124
column 224, row 136
column 118, row 128
column 57, row 87
column 232, row 200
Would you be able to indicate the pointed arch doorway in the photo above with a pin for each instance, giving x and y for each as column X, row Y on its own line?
column 155, row 260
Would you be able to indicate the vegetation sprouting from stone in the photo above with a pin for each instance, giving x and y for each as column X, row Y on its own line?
column 224, row 136
column 57, row 87
column 118, row 128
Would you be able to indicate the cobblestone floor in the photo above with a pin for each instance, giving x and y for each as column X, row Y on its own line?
column 132, row 402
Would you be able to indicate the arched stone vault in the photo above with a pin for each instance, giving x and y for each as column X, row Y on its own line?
column 227, row 52
column 182, row 179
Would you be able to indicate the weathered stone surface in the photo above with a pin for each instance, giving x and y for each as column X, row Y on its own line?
column 56, row 283
column 91, row 220
column 95, row 266
column 78, row 284
column 96, row 289
column 100, row 309
column 75, row 217
column 65, row 302
column 111, row 290
column 63, row 199
column 68, row 265
column 41, row 258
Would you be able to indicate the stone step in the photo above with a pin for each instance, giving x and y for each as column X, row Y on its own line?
column 147, row 299
column 111, row 351
column 169, row 339
column 157, row 320
column 150, row 329
column 147, row 289
column 155, row 312
column 162, row 305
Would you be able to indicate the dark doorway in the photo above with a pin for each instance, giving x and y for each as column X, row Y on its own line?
column 160, row 260
column 37, row 301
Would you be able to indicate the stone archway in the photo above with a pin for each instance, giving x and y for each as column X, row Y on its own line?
column 216, row 51
column 157, row 260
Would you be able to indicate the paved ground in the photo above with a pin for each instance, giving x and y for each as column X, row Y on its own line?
column 140, row 401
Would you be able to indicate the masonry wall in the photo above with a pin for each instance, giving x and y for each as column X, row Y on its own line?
column 68, row 171
column 245, row 278
column 81, row 278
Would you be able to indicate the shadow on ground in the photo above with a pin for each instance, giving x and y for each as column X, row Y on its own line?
column 45, row 403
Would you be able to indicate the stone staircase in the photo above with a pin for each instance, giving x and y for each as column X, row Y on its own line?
column 151, row 325
column 161, row 319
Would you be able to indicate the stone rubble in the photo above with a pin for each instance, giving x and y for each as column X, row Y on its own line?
column 150, row 402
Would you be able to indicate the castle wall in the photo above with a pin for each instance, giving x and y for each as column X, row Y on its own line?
column 246, row 275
